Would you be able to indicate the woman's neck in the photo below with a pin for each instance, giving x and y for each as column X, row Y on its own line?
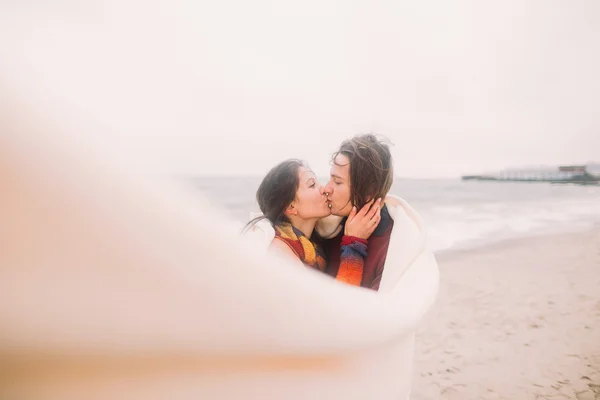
column 306, row 226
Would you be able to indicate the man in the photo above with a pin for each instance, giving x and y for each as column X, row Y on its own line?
column 361, row 173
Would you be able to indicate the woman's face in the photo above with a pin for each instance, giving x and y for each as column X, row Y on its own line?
column 310, row 201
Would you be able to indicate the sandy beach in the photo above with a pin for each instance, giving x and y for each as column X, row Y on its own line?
column 515, row 320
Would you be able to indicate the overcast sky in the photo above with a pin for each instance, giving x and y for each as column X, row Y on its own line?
column 232, row 87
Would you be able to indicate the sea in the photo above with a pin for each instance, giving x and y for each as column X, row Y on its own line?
column 457, row 214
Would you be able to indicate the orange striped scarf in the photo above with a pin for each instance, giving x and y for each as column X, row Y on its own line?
column 306, row 250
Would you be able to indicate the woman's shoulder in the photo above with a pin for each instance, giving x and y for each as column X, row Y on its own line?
column 278, row 243
column 280, row 246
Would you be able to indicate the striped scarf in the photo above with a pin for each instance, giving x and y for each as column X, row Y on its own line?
column 306, row 250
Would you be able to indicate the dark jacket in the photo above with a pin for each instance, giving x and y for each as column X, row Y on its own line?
column 377, row 251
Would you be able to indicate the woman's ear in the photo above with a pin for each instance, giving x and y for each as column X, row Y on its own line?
column 290, row 210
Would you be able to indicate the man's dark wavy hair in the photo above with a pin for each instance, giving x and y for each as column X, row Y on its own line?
column 371, row 167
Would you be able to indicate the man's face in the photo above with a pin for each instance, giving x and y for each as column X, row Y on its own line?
column 338, row 186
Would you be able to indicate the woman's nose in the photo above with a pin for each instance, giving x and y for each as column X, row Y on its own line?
column 326, row 190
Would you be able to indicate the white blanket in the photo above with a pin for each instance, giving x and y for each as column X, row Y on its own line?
column 112, row 287
column 93, row 264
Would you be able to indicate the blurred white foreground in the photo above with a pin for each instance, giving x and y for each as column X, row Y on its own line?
column 114, row 287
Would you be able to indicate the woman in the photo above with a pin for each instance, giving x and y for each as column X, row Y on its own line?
column 292, row 199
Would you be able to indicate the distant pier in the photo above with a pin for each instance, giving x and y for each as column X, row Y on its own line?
column 577, row 174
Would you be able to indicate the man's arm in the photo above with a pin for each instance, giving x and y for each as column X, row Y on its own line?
column 353, row 253
column 352, row 259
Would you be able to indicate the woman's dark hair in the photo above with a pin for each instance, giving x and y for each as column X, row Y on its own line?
column 371, row 168
column 277, row 191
